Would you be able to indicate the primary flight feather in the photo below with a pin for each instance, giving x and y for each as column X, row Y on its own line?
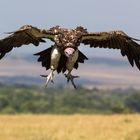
column 64, row 55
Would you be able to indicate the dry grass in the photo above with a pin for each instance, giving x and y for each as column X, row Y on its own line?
column 73, row 127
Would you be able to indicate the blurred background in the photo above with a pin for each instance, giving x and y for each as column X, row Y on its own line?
column 104, row 69
column 107, row 84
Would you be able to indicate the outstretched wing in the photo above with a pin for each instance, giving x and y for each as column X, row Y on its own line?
column 115, row 40
column 24, row 36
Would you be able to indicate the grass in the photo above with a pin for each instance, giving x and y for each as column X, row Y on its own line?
column 70, row 127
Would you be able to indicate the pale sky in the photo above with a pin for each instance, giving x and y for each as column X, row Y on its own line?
column 95, row 15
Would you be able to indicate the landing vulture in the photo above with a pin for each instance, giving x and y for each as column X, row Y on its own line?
column 64, row 55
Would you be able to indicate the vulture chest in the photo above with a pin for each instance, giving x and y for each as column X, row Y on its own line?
column 55, row 59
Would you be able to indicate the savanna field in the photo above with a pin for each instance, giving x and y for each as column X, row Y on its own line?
column 70, row 127
column 29, row 113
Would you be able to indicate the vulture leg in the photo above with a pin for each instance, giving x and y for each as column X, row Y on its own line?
column 54, row 61
column 69, row 65
column 71, row 78
column 49, row 78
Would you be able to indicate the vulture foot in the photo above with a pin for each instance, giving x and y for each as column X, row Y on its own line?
column 71, row 78
column 48, row 78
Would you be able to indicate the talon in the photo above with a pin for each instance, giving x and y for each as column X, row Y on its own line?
column 49, row 78
column 44, row 76
column 71, row 78
column 52, row 81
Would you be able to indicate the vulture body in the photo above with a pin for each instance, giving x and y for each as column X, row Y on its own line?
column 64, row 55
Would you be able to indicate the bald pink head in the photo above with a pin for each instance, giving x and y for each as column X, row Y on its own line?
column 69, row 51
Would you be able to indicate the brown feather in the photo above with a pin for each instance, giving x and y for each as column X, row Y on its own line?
column 44, row 58
column 24, row 36
column 115, row 40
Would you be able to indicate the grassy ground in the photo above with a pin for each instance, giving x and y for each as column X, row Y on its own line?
column 72, row 127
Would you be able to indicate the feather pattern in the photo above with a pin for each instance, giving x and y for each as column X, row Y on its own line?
column 24, row 36
column 44, row 58
column 70, row 39
column 115, row 40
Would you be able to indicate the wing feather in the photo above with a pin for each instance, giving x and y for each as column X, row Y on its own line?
column 44, row 58
column 24, row 36
column 115, row 40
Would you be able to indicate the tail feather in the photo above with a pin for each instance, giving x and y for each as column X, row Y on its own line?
column 81, row 59
column 62, row 64
column 45, row 57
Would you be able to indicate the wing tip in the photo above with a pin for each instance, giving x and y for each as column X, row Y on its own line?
column 135, row 39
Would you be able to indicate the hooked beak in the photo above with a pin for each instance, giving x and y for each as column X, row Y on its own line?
column 69, row 52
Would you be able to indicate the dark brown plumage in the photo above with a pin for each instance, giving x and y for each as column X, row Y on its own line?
column 64, row 54
column 115, row 40
column 45, row 59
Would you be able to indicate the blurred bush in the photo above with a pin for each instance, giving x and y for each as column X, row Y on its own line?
column 25, row 99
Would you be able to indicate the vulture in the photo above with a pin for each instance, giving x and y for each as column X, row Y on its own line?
column 64, row 55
